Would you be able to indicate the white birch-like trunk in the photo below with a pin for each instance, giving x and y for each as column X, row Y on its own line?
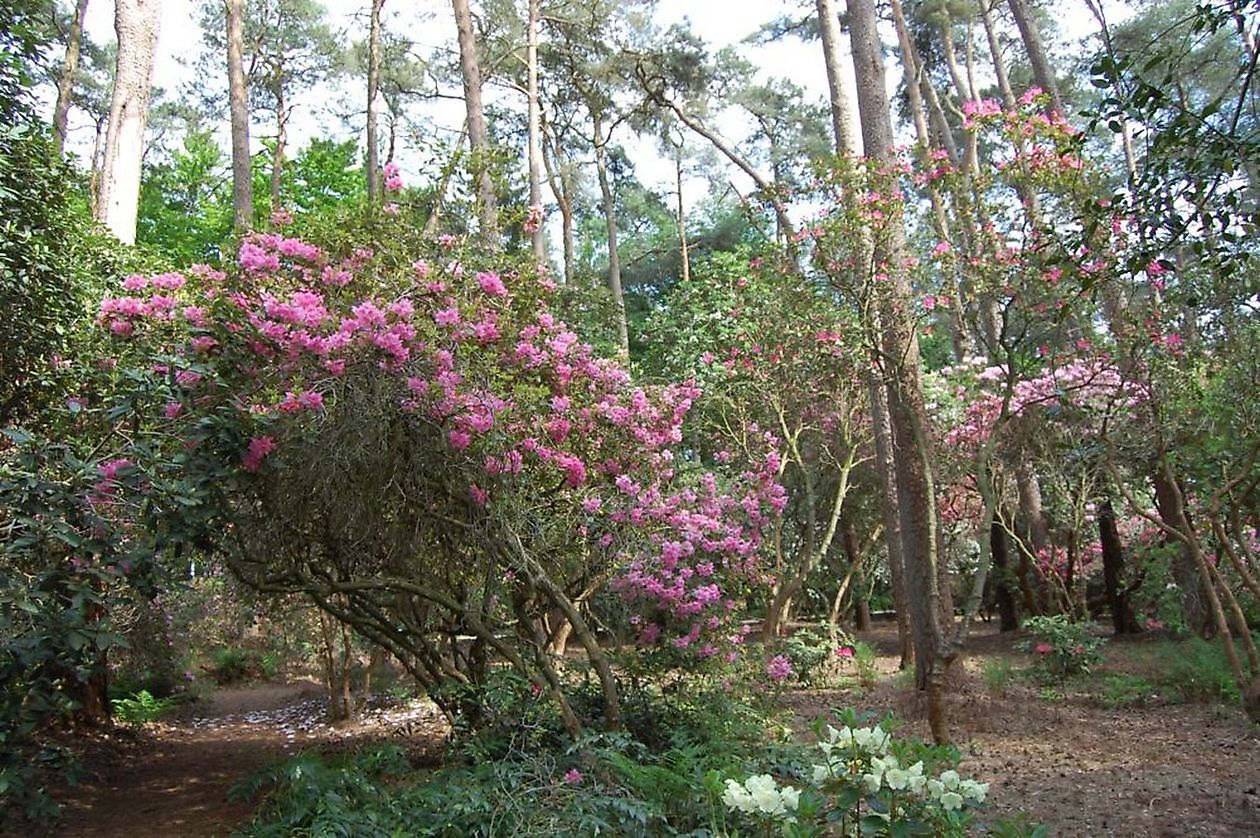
column 118, row 201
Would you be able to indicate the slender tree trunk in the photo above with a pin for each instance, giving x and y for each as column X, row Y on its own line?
column 610, row 222
column 242, row 169
column 839, row 74
column 1036, row 534
column 886, row 470
column 562, row 189
column 683, row 250
column 478, row 136
column 961, row 337
column 861, row 599
column 899, row 361
column 1031, row 36
column 538, row 236
column 282, row 137
column 136, row 23
column 374, row 190
column 999, row 61
column 65, row 82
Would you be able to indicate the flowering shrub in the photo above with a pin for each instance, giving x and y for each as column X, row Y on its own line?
column 816, row 660
column 1061, row 647
column 485, row 465
column 864, row 784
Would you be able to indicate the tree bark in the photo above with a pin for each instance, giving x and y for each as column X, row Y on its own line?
column 282, row 137
column 538, row 236
column 899, row 361
column 1193, row 591
column 478, row 136
column 65, row 82
column 1031, row 36
column 562, row 189
column 1003, row 587
column 1123, row 620
column 610, row 223
column 136, row 24
column 374, row 190
column 995, row 50
column 683, row 250
column 242, row 170
column 839, row 73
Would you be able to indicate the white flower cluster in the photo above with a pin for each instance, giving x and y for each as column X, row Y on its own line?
column 760, row 794
column 952, row 791
column 861, row 754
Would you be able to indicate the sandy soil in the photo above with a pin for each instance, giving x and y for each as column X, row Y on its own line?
column 1156, row 769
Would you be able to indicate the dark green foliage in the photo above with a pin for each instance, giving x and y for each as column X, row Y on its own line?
column 667, row 782
column 52, row 263
column 1199, row 671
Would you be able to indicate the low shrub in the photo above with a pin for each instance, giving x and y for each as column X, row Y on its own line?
column 1061, row 647
column 998, row 674
column 140, row 708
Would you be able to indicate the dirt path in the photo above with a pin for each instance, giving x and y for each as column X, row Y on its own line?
column 174, row 779
column 1158, row 769
column 1154, row 769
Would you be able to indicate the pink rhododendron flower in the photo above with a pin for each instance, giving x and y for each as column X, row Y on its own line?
column 492, row 284
column 778, row 668
column 259, row 448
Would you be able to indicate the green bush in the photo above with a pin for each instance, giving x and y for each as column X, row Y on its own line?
column 817, row 660
column 1061, row 647
column 140, row 708
column 1119, row 689
column 1199, row 671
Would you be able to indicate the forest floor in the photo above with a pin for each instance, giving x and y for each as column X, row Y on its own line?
column 1146, row 768
column 1138, row 764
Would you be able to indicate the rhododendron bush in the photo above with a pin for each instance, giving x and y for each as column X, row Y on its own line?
column 773, row 352
column 419, row 444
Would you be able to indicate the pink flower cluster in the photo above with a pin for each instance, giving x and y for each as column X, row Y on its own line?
column 520, row 405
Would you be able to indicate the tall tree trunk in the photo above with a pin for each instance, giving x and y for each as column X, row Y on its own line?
column 242, row 170
column 478, row 136
column 995, row 50
column 282, row 138
column 683, row 249
column 1123, row 620
column 960, row 338
column 1031, row 36
column 891, row 508
column 562, row 188
column 839, row 72
column 1194, row 594
column 136, row 24
column 538, row 236
column 65, row 82
column 373, row 88
column 1035, row 533
column 899, row 362
column 610, row 223
column 1003, row 578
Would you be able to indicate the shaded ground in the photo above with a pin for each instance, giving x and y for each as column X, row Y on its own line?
column 1148, row 769
column 174, row 778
